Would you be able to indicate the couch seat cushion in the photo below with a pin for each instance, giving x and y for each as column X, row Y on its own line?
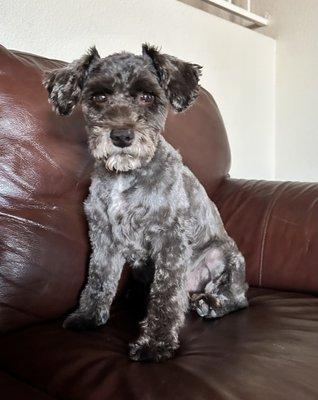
column 268, row 351
column 12, row 388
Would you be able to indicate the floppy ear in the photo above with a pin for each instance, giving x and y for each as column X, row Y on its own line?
column 65, row 84
column 178, row 78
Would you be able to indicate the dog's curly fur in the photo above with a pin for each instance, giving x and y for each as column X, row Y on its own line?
column 144, row 205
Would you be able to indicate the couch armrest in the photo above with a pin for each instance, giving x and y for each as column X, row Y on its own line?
column 275, row 225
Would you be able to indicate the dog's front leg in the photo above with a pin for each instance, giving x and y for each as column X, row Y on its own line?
column 105, row 269
column 168, row 303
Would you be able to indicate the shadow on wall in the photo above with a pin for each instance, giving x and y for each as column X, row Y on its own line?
column 204, row 5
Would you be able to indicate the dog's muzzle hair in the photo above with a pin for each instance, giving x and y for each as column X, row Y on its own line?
column 139, row 151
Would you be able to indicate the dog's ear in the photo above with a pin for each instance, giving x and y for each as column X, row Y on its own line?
column 65, row 84
column 178, row 78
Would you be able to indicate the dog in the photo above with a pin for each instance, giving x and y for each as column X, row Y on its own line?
column 144, row 205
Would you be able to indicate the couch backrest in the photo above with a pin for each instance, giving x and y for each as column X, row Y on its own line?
column 44, row 176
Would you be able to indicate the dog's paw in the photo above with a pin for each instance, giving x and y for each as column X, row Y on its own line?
column 151, row 350
column 205, row 305
column 79, row 321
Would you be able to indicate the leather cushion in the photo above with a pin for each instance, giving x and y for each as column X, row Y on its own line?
column 15, row 389
column 44, row 177
column 275, row 225
column 268, row 351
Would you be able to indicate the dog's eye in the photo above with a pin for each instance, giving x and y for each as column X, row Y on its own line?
column 145, row 98
column 99, row 98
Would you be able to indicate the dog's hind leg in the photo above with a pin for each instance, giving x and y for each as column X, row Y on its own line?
column 226, row 288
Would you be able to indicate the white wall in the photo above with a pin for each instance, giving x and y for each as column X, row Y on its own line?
column 238, row 63
column 294, row 25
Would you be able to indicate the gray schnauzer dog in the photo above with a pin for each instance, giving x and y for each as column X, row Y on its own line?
column 144, row 206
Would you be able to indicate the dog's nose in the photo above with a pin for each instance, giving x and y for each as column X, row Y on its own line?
column 122, row 137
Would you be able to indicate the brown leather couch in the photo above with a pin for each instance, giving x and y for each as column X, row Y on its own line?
column 268, row 351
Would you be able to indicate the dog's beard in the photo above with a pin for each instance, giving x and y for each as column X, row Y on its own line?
column 139, row 153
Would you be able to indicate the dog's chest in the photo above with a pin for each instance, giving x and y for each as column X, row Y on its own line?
column 126, row 210
column 117, row 200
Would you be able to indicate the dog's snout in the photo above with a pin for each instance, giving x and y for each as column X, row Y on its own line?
column 122, row 137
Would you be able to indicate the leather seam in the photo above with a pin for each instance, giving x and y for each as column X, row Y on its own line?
column 265, row 226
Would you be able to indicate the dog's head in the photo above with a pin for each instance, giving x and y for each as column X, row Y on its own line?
column 125, row 100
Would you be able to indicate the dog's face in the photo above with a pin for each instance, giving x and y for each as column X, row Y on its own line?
column 125, row 100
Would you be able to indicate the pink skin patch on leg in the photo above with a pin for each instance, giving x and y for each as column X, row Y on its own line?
column 211, row 266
